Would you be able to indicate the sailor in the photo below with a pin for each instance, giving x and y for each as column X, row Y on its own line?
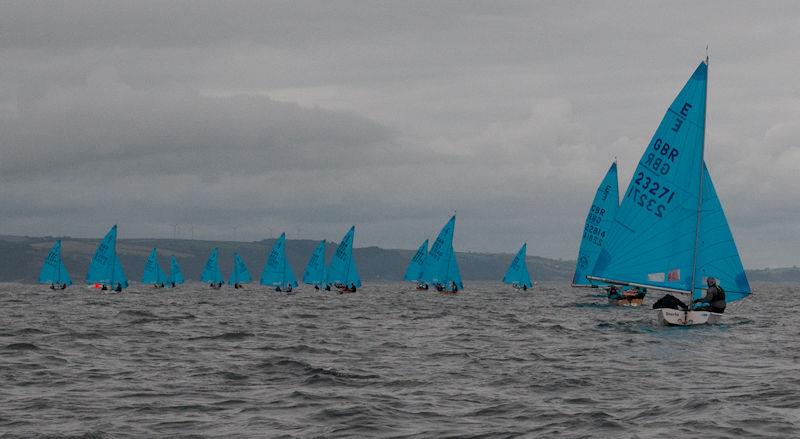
column 455, row 287
column 327, row 287
column 118, row 288
column 289, row 289
column 714, row 299
column 352, row 288
column 613, row 293
column 52, row 287
column 316, row 287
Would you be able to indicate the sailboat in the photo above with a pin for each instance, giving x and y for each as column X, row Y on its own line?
column 153, row 274
column 175, row 273
column 670, row 232
column 342, row 273
column 517, row 274
column 105, row 271
column 315, row 269
column 414, row 270
column 53, row 271
column 595, row 230
column 240, row 274
column 440, row 268
column 277, row 271
column 211, row 272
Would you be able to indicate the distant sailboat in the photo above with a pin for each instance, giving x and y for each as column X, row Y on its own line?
column 440, row 268
column 670, row 232
column 211, row 272
column 105, row 271
column 240, row 274
column 53, row 271
column 342, row 273
column 414, row 270
column 277, row 271
column 153, row 274
column 517, row 274
column 315, row 270
column 175, row 273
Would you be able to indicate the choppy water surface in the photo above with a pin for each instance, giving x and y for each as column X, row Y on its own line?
column 390, row 362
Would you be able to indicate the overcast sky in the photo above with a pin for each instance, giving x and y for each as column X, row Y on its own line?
column 307, row 117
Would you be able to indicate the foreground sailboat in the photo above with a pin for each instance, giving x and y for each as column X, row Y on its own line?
column 153, row 274
column 414, row 270
column 105, row 271
column 211, row 272
column 315, row 269
column 240, row 274
column 277, row 271
column 517, row 274
column 342, row 273
column 175, row 273
column 670, row 231
column 441, row 268
column 53, row 271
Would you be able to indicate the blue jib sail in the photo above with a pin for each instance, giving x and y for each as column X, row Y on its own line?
column 653, row 239
column 153, row 274
column 414, row 270
column 53, row 271
column 342, row 270
column 440, row 266
column 105, row 267
column 175, row 273
column 598, row 222
column 240, row 274
column 315, row 270
column 517, row 273
column 277, row 271
column 211, row 272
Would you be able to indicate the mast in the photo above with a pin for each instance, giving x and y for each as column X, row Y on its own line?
column 699, row 194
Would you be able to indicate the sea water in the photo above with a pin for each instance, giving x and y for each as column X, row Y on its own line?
column 389, row 361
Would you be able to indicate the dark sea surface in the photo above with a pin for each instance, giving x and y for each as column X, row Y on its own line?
column 390, row 362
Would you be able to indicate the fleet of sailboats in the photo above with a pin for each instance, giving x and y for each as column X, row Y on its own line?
column 668, row 234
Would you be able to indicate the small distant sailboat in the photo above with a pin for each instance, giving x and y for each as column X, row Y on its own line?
column 342, row 273
column 440, row 268
column 414, row 270
column 105, row 271
column 670, row 232
column 240, row 274
column 315, row 270
column 277, row 271
column 211, row 272
column 153, row 274
column 53, row 271
column 517, row 274
column 175, row 273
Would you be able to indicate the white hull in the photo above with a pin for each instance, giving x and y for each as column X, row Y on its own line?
column 676, row 317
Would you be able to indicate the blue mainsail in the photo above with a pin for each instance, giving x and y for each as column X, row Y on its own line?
column 517, row 273
column 240, row 274
column 440, row 266
column 53, row 271
column 153, row 274
column 175, row 273
column 211, row 272
column 342, row 270
column 414, row 270
column 105, row 267
column 315, row 270
column 598, row 222
column 277, row 271
column 665, row 234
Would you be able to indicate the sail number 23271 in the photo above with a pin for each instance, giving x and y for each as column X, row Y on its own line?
column 650, row 195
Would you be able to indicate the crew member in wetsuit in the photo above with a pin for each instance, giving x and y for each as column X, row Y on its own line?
column 714, row 300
